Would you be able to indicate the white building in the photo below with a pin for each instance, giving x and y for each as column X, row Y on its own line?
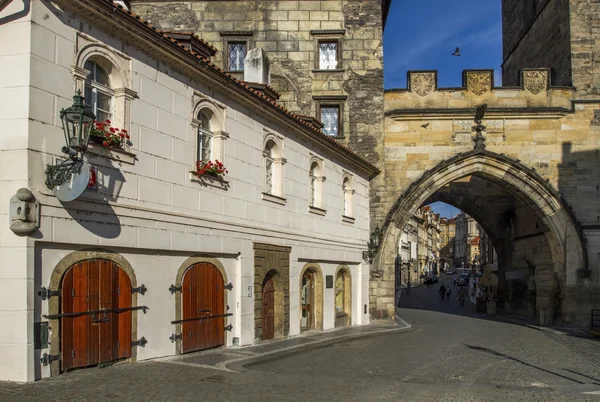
column 286, row 227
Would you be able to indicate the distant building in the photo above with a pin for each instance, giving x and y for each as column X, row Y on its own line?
column 447, row 234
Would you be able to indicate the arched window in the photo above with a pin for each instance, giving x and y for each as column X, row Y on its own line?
column 269, row 156
column 348, row 192
column 316, row 179
column 205, row 136
column 98, row 92
column 313, row 184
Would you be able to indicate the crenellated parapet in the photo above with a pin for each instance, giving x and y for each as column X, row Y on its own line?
column 534, row 95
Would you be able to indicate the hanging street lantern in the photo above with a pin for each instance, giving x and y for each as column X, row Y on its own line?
column 373, row 245
column 77, row 121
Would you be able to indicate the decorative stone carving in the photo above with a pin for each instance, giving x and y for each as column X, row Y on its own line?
column 422, row 83
column 479, row 82
column 535, row 81
column 494, row 126
column 24, row 213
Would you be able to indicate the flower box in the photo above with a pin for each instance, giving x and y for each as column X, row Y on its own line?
column 214, row 170
column 110, row 137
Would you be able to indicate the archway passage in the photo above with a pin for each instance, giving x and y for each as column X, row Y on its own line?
column 203, row 308
column 532, row 230
column 311, row 298
column 93, row 330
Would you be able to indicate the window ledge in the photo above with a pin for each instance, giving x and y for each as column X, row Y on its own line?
column 336, row 137
column 348, row 219
column 318, row 211
column 209, row 181
column 333, row 70
column 274, row 198
column 111, row 153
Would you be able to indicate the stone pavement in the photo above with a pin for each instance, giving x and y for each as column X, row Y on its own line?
column 451, row 353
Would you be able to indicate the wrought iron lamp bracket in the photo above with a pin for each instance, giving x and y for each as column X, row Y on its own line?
column 58, row 174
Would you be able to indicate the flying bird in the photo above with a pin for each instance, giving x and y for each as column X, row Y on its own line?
column 456, row 52
column 425, row 125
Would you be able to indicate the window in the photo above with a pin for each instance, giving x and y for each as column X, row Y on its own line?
column 330, row 117
column 313, row 184
column 205, row 136
column 273, row 169
column 236, row 53
column 269, row 170
column 348, row 192
column 328, row 55
column 98, row 93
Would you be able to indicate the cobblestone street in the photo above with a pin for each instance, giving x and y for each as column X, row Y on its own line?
column 450, row 354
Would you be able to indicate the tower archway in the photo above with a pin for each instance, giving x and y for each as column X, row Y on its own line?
column 561, row 254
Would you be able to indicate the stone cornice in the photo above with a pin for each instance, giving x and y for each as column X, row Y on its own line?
column 450, row 113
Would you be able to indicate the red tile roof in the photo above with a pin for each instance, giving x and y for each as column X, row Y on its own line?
column 242, row 84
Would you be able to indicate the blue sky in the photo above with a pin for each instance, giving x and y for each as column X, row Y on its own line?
column 445, row 210
column 422, row 34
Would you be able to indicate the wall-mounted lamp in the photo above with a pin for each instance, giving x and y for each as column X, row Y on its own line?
column 77, row 121
column 373, row 245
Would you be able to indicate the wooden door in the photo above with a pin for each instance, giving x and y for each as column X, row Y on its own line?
column 307, row 301
column 203, row 304
column 268, row 309
column 91, row 339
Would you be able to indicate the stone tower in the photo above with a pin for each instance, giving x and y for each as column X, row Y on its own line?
column 326, row 56
column 558, row 34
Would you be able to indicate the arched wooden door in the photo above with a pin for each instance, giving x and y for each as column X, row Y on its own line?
column 95, row 288
column 268, row 309
column 203, row 308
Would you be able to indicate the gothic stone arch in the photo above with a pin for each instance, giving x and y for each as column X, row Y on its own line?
column 563, row 233
column 54, row 302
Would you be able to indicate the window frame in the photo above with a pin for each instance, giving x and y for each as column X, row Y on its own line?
column 275, row 154
column 97, row 87
column 234, row 37
column 348, row 195
column 216, row 114
column 316, row 201
column 328, row 36
column 201, row 132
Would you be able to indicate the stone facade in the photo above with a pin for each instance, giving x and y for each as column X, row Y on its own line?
column 289, row 32
column 148, row 212
column 539, row 140
column 555, row 34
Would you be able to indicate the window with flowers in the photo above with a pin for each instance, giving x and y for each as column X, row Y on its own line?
column 111, row 137
column 208, row 123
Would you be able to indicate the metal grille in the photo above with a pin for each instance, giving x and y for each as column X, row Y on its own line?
column 236, row 54
column 330, row 118
column 328, row 56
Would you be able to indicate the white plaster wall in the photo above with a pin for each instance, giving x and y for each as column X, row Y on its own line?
column 16, row 277
column 152, row 212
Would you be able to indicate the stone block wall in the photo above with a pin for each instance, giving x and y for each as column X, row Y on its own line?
column 288, row 31
column 556, row 34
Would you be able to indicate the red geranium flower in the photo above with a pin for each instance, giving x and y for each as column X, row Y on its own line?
column 108, row 121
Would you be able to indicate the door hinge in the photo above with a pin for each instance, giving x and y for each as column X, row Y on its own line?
column 45, row 293
column 174, row 337
column 229, row 328
column 140, row 342
column 140, row 289
column 46, row 359
column 229, row 286
column 174, row 289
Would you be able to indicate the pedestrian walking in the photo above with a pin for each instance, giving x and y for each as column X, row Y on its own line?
column 408, row 286
column 461, row 295
column 454, row 279
column 442, row 291
column 448, row 291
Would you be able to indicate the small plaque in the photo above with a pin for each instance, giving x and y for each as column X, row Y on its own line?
column 328, row 281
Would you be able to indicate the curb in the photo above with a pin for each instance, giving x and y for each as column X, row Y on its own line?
column 242, row 364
